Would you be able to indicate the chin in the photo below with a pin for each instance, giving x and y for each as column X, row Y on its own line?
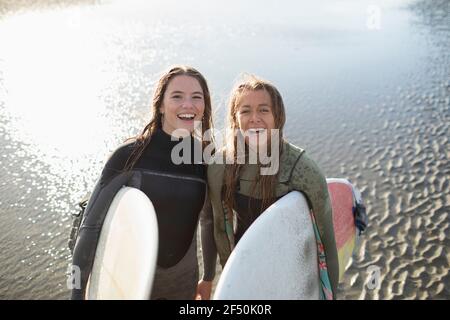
column 257, row 146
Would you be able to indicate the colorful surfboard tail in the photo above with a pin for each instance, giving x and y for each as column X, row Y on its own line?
column 349, row 218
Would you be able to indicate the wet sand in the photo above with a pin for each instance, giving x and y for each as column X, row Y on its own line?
column 14, row 6
column 386, row 129
column 406, row 166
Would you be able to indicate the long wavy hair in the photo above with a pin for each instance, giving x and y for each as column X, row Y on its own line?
column 265, row 184
column 143, row 139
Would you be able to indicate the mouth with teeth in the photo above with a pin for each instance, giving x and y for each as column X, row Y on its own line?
column 186, row 116
column 256, row 130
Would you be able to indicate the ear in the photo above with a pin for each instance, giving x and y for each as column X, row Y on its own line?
column 161, row 109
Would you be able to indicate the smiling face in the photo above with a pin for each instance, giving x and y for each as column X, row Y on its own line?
column 254, row 116
column 183, row 103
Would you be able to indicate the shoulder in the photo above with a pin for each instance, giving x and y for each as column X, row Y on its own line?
column 216, row 167
column 306, row 163
column 216, row 162
column 289, row 159
column 118, row 158
column 298, row 165
column 307, row 173
column 292, row 151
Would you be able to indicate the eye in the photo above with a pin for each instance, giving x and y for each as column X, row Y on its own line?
column 243, row 111
column 265, row 110
column 197, row 97
column 176, row 96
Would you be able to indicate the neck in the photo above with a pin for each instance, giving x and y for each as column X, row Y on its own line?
column 177, row 133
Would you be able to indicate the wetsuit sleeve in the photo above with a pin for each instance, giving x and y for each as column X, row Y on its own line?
column 309, row 179
column 106, row 187
column 209, row 250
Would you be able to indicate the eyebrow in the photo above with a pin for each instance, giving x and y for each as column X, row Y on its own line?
column 196, row 92
column 259, row 105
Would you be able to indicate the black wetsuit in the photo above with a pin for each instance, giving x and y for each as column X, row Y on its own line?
column 178, row 194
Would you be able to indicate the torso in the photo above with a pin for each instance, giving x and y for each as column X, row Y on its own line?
column 177, row 192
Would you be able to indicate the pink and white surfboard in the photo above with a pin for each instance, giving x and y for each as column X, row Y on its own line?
column 342, row 201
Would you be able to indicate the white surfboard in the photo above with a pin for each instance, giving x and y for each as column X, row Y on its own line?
column 126, row 255
column 276, row 258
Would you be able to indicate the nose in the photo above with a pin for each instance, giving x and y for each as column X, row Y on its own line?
column 188, row 103
column 254, row 117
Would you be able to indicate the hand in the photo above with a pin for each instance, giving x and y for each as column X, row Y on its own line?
column 203, row 290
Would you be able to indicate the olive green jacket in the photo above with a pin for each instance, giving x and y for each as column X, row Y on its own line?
column 296, row 172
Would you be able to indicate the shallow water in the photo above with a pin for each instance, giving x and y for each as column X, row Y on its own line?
column 369, row 104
